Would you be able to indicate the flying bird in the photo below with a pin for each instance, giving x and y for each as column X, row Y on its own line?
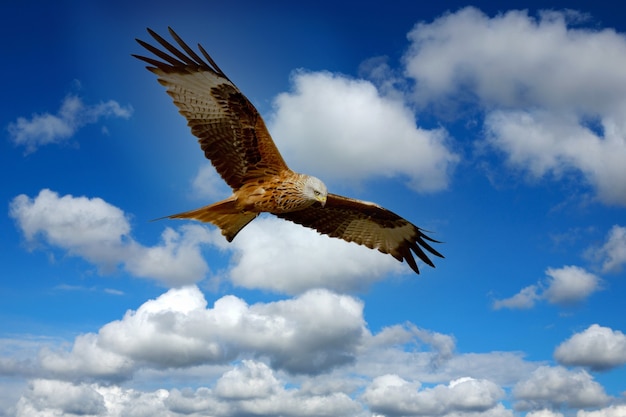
column 233, row 136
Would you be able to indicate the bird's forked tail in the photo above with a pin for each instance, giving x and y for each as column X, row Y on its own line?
column 224, row 214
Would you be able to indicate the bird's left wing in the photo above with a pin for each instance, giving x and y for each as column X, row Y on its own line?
column 230, row 130
column 367, row 224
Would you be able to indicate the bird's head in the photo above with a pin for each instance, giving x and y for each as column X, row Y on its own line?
column 315, row 190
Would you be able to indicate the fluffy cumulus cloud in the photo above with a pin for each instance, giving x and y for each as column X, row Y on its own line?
column 312, row 333
column 250, row 388
column 563, row 286
column 542, row 143
column 569, row 285
column 611, row 411
column 176, row 260
column 43, row 129
column 336, row 127
column 86, row 227
column 553, row 95
column 555, row 387
column 99, row 232
column 392, row 395
column 86, row 359
column 50, row 397
column 599, row 348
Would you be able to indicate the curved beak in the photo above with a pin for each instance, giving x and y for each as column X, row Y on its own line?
column 322, row 199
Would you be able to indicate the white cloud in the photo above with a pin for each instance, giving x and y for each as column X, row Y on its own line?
column 442, row 344
column 613, row 252
column 599, row 348
column 253, row 388
column 542, row 142
column 309, row 334
column 46, row 128
column 513, row 59
column 312, row 333
column 177, row 260
column 392, row 395
column 400, row 350
column 85, row 227
column 564, row 286
column 86, row 359
column 100, row 233
column 336, row 128
column 504, row 368
column 393, row 340
column 251, row 380
column 570, row 284
column 611, row 411
column 524, row 299
column 554, row 387
column 63, row 399
column 510, row 63
column 58, row 398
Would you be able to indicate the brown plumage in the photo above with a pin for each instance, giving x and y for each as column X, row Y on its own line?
column 234, row 138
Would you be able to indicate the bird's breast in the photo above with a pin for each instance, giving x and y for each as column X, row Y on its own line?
column 273, row 196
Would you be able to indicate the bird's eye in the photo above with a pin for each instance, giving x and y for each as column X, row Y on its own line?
column 316, row 192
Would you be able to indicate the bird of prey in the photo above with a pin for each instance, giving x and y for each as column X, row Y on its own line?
column 234, row 138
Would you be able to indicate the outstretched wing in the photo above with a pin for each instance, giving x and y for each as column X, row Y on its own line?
column 367, row 224
column 230, row 130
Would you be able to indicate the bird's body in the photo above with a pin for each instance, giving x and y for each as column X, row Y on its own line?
column 234, row 138
column 275, row 194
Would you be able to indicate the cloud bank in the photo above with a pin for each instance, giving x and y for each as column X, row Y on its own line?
column 92, row 229
column 178, row 330
column 552, row 95
column 308, row 355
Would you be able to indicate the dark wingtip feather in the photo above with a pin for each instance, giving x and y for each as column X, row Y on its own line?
column 416, row 247
column 411, row 261
column 430, row 248
column 420, row 253
column 177, row 59
column 195, row 59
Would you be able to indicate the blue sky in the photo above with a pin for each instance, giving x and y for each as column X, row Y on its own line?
column 502, row 130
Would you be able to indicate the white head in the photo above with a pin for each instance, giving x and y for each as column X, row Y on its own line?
column 315, row 189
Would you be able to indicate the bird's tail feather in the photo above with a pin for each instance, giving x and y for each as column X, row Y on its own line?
column 224, row 214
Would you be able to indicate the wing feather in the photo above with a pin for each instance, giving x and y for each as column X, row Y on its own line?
column 367, row 224
column 230, row 130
